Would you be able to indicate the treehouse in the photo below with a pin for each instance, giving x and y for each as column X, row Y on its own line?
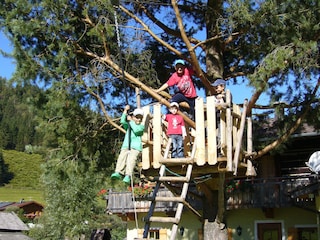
column 180, row 198
column 231, row 155
column 203, row 154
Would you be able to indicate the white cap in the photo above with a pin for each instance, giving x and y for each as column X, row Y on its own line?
column 174, row 104
column 138, row 111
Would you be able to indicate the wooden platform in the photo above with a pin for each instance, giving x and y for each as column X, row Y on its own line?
column 227, row 155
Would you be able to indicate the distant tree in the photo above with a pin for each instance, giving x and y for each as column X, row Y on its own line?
column 269, row 45
column 18, row 107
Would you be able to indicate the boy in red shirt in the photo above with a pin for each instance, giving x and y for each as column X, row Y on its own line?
column 176, row 130
column 186, row 89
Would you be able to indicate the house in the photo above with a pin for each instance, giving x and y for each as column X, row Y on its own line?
column 282, row 201
column 31, row 209
column 11, row 227
column 274, row 197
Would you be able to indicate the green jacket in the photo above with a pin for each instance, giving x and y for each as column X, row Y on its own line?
column 136, row 133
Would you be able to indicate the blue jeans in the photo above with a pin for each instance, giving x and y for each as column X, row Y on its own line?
column 177, row 146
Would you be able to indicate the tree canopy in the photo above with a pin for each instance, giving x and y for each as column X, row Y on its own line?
column 94, row 53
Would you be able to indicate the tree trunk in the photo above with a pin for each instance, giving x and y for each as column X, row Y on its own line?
column 214, row 230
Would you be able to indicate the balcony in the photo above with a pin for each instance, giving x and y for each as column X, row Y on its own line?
column 273, row 193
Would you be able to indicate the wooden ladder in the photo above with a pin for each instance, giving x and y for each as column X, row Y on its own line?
column 180, row 200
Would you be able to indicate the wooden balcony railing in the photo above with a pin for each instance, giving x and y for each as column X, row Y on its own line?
column 273, row 193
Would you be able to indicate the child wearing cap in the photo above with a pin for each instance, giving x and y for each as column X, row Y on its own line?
column 220, row 94
column 176, row 130
column 183, row 81
column 131, row 146
column 220, row 97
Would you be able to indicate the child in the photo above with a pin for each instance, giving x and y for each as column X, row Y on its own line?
column 182, row 79
column 220, row 97
column 176, row 130
column 131, row 146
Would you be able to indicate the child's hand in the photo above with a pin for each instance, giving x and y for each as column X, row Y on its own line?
column 127, row 107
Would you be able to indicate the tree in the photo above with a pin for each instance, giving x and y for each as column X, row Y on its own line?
column 18, row 106
column 272, row 46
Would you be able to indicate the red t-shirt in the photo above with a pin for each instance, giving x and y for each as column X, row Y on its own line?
column 175, row 123
column 184, row 83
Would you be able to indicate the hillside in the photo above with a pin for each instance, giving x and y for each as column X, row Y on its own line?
column 26, row 172
column 26, row 169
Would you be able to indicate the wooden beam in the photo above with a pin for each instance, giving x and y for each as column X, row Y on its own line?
column 200, row 132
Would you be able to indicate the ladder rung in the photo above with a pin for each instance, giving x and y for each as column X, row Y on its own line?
column 169, row 199
column 177, row 161
column 170, row 179
column 164, row 219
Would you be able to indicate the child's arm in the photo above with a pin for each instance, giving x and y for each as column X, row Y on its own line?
column 184, row 132
column 137, row 129
column 124, row 116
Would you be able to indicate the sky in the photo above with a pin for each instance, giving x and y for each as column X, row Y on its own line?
column 239, row 92
column 7, row 65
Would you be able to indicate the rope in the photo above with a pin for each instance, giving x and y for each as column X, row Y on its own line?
column 195, row 180
column 134, row 203
column 120, row 52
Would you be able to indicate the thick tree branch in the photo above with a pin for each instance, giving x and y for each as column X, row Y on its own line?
column 194, row 60
column 135, row 81
column 162, row 26
column 148, row 30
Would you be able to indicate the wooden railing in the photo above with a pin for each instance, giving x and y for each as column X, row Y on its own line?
column 272, row 193
column 204, row 136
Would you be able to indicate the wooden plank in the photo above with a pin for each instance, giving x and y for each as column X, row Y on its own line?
column 229, row 131
column 200, row 132
column 145, row 138
column 236, row 122
column 250, row 169
column 164, row 219
column 223, row 130
column 157, row 135
column 211, row 130
column 176, row 161
column 169, row 179
column 169, row 199
column 239, row 141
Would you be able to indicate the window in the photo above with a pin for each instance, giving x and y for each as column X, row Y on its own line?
column 154, row 234
column 307, row 233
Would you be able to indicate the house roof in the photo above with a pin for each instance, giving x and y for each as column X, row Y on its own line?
column 10, row 221
column 13, row 236
column 22, row 204
column 27, row 203
column 5, row 204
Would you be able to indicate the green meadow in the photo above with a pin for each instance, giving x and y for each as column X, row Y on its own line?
column 15, row 195
column 25, row 183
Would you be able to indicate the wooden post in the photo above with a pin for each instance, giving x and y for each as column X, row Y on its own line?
column 146, row 138
column 138, row 98
column 229, row 131
column 157, row 135
column 211, row 130
column 240, row 134
column 250, row 169
column 200, row 136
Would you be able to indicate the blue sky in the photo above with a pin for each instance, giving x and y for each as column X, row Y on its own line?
column 7, row 64
column 239, row 92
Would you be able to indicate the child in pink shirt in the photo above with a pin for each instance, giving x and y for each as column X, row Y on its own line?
column 176, row 130
column 183, row 81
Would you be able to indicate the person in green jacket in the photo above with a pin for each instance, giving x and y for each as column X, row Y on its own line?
column 131, row 146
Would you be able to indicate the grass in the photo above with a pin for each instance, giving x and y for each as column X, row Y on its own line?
column 15, row 195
